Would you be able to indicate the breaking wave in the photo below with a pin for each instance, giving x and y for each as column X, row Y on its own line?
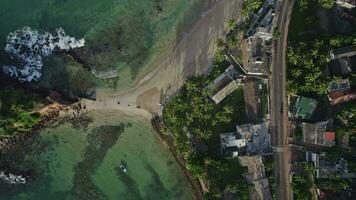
column 30, row 47
column 11, row 178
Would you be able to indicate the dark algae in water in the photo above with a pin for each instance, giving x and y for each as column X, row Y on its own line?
column 100, row 140
column 67, row 162
column 132, row 192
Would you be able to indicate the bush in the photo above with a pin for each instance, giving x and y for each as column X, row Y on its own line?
column 15, row 112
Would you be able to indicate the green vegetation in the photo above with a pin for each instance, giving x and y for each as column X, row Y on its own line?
column 306, row 70
column 326, row 3
column 264, row 100
column 191, row 111
column 333, row 184
column 345, row 122
column 64, row 75
column 269, row 166
column 298, row 134
column 308, row 61
column 15, row 112
column 312, row 38
column 304, row 23
column 302, row 183
column 301, row 187
column 250, row 6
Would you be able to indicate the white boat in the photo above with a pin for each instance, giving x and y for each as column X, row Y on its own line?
column 123, row 168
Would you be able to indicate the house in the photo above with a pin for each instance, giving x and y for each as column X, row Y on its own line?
column 258, row 138
column 232, row 144
column 258, row 36
column 230, row 80
column 339, row 92
column 325, row 168
column 339, row 85
column 263, row 21
column 224, row 85
column 343, row 61
column 319, row 133
column 245, row 73
column 250, row 139
column 256, row 176
column 349, row 4
column 265, row 33
column 258, row 55
column 302, row 107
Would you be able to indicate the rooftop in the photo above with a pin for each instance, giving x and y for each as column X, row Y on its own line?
column 264, row 17
column 343, row 52
column 224, row 85
column 248, row 138
column 232, row 143
column 304, row 108
column 326, row 167
column 341, row 97
column 339, row 85
column 343, row 61
column 319, row 133
column 347, row 3
column 256, row 176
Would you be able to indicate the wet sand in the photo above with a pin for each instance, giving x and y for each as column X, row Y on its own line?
column 192, row 56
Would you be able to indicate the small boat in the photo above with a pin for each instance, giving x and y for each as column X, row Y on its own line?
column 123, row 168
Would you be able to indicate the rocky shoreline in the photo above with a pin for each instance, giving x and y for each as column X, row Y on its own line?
column 157, row 125
column 52, row 115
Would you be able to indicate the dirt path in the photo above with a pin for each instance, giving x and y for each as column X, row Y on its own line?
column 192, row 56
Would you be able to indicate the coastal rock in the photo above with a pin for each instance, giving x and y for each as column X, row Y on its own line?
column 30, row 47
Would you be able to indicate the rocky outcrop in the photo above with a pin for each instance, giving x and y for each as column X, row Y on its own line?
column 30, row 47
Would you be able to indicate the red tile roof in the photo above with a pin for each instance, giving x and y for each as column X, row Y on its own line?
column 343, row 99
column 329, row 136
column 337, row 94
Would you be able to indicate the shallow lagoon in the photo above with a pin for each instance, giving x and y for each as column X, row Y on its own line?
column 72, row 163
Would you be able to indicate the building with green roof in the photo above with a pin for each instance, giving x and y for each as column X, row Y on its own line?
column 303, row 108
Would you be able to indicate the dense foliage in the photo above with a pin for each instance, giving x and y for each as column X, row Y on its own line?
column 346, row 123
column 308, row 62
column 302, row 183
column 192, row 112
column 304, row 4
column 269, row 166
column 250, row 6
column 15, row 112
column 301, row 186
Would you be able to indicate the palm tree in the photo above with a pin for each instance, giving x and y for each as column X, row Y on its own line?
column 231, row 24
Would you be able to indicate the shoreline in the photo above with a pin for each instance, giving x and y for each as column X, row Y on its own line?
column 56, row 114
column 149, row 90
column 167, row 142
column 52, row 115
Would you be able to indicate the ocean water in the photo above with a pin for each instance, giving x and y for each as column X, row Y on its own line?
column 121, row 35
column 68, row 162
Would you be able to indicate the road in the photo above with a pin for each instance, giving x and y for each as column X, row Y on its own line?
column 279, row 107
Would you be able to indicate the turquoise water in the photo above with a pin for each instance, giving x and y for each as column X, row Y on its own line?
column 122, row 35
column 71, row 163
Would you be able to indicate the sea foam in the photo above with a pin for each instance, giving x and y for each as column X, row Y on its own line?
column 12, row 178
column 30, row 47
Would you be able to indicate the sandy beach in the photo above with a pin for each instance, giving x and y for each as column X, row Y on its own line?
column 192, row 56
